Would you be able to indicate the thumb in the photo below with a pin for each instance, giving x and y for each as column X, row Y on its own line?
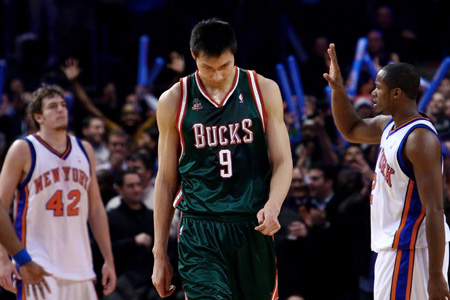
column 104, row 278
column 45, row 273
column 260, row 217
column 17, row 274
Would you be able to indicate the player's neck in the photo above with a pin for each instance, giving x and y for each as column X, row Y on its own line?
column 405, row 116
column 219, row 91
column 57, row 139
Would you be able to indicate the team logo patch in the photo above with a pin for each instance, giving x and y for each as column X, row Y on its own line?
column 241, row 98
column 197, row 105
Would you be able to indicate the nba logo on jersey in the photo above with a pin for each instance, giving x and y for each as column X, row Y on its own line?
column 241, row 98
column 197, row 105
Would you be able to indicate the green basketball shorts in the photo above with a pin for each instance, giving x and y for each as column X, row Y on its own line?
column 225, row 258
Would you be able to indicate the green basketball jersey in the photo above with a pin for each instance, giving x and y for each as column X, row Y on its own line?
column 224, row 163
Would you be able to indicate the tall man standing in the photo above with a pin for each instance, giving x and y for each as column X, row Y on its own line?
column 57, row 194
column 407, row 216
column 222, row 131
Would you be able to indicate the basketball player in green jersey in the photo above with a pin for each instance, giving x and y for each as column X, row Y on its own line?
column 224, row 141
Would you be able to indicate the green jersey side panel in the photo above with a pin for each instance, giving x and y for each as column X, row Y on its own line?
column 224, row 165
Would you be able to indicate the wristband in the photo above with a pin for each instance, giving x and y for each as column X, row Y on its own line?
column 22, row 257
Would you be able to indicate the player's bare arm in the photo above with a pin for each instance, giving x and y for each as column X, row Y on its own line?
column 166, row 186
column 350, row 125
column 280, row 156
column 15, row 169
column 426, row 162
column 99, row 225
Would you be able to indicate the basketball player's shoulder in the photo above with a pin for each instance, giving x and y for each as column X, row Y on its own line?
column 168, row 104
column 170, row 96
column 267, row 85
column 20, row 148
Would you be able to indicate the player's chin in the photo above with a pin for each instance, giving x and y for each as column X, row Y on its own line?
column 62, row 127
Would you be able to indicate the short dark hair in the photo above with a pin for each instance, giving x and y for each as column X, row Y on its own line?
column 149, row 162
column 118, row 181
column 87, row 121
column 329, row 171
column 35, row 104
column 403, row 76
column 213, row 37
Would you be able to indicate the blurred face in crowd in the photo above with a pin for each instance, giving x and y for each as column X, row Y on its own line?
column 110, row 94
column 298, row 187
column 131, row 189
column 444, row 87
column 437, row 104
column 352, row 154
column 132, row 98
column 319, row 187
column 214, row 71
column 447, row 108
column 95, row 131
column 376, row 43
column 384, row 16
column 129, row 115
column 117, row 144
column 139, row 166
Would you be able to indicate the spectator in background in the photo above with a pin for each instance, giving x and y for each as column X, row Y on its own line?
column 354, row 159
column 447, row 108
column 298, row 191
column 364, row 106
column 118, row 151
column 317, row 63
column 143, row 165
column 320, row 216
column 316, row 144
column 93, row 130
column 106, row 185
column 377, row 50
column 397, row 39
column 291, row 241
column 131, row 228
column 129, row 118
column 352, row 230
column 444, row 87
column 436, row 112
column 149, row 140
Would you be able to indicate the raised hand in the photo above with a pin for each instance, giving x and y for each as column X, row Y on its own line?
column 334, row 76
column 71, row 69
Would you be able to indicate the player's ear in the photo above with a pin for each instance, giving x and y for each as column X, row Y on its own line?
column 37, row 117
column 192, row 54
column 397, row 92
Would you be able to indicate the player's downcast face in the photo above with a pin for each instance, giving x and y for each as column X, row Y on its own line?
column 215, row 70
column 54, row 112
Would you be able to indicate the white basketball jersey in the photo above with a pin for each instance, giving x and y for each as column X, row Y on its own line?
column 397, row 215
column 52, row 209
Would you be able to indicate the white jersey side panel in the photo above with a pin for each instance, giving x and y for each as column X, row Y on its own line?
column 52, row 210
column 397, row 215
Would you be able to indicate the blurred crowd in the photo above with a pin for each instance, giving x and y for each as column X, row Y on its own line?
column 323, row 247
